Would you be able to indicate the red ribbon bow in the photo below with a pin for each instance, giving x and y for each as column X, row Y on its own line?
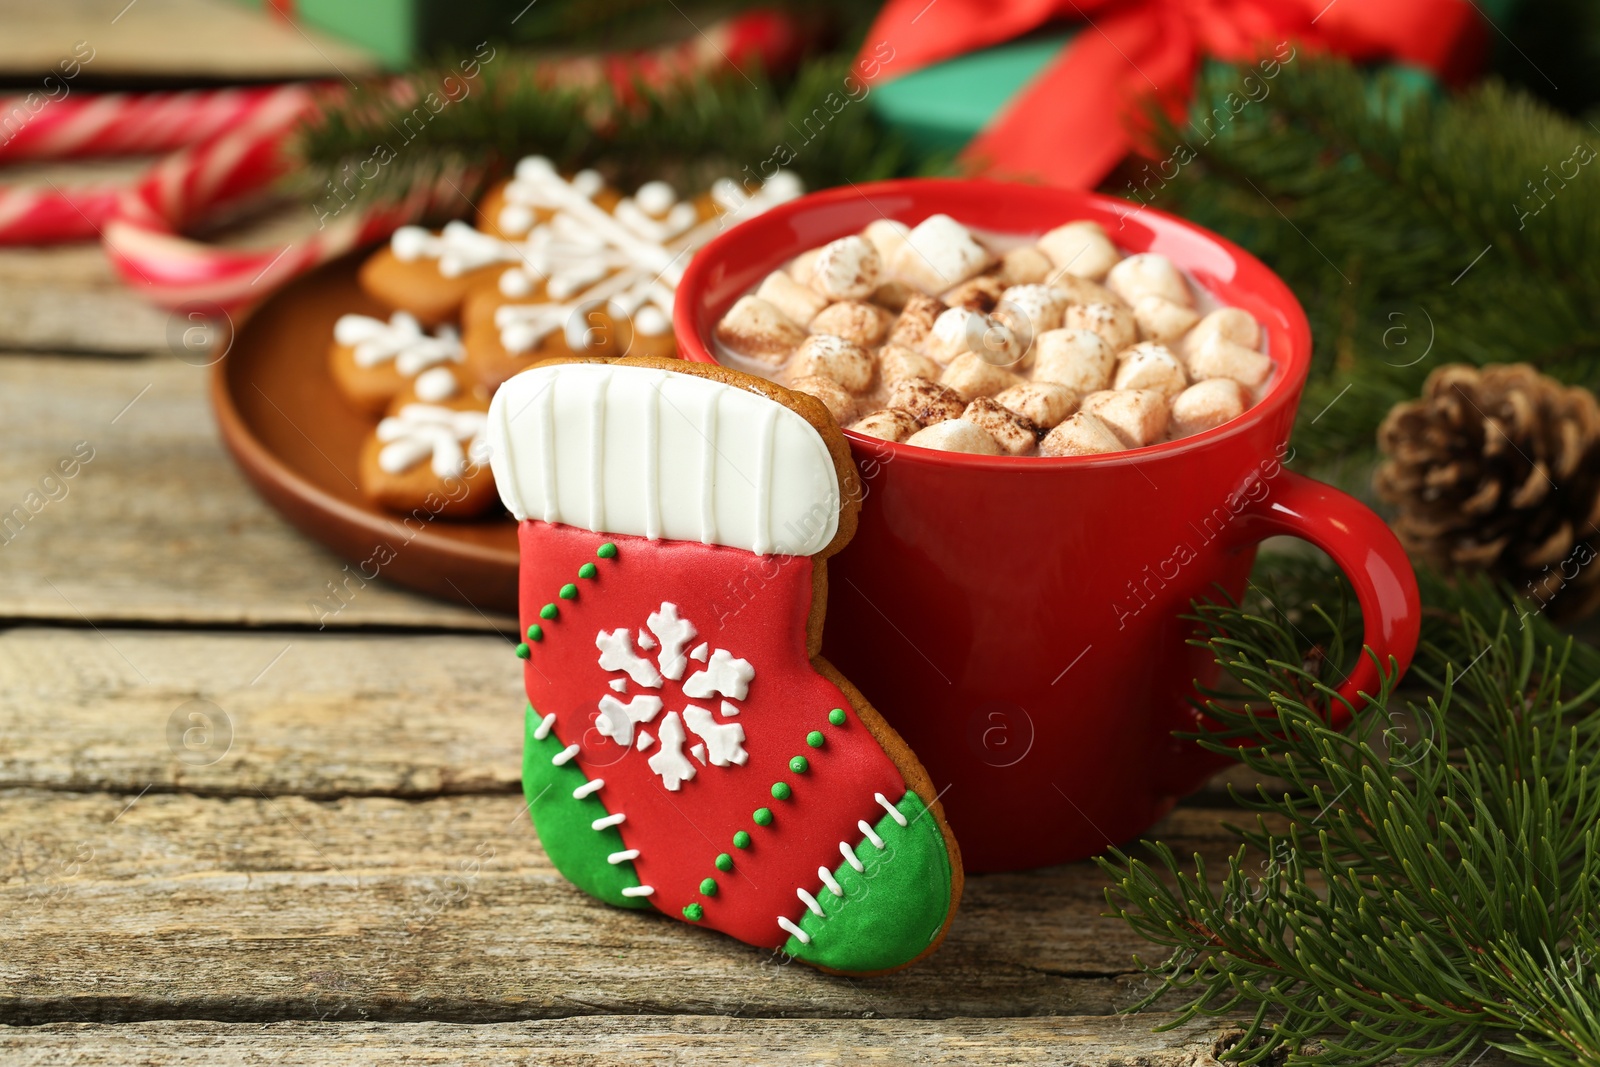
column 1070, row 125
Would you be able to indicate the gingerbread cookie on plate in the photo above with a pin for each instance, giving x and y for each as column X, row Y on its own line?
column 432, row 457
column 595, row 281
column 373, row 361
column 688, row 750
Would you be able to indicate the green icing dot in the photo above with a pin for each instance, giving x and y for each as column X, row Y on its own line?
column 836, row 716
column 568, row 592
column 549, row 611
column 815, row 739
column 523, row 651
column 694, row 913
column 724, row 862
column 606, row 551
column 536, row 632
column 763, row 816
column 709, row 887
column 781, row 790
column 741, row 840
column 799, row 765
column 587, row 571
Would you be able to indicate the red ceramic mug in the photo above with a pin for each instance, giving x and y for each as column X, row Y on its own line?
column 1018, row 620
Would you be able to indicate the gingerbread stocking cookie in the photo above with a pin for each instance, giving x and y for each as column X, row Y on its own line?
column 687, row 748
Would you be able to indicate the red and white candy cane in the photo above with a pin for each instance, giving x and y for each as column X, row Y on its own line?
column 144, row 235
column 228, row 144
column 109, row 124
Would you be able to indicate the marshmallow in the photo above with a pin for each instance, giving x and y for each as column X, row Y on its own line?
column 840, row 404
column 890, row 424
column 1083, row 291
column 1218, row 357
column 1014, row 433
column 955, row 435
column 972, row 376
column 865, row 324
column 1148, row 274
column 926, row 401
column 803, row 265
column 1081, row 249
column 886, row 236
column 1161, row 320
column 1081, row 435
column 896, row 362
column 893, row 294
column 1207, row 404
column 959, row 330
column 1148, row 365
column 938, row 254
column 1030, row 310
column 1235, row 324
column 1025, row 266
column 978, row 294
column 1043, row 403
column 755, row 328
column 1112, row 322
column 847, row 269
column 799, row 303
column 833, row 357
column 1077, row 359
column 916, row 321
column 1137, row 416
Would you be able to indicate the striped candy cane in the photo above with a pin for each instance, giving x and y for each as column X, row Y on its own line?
column 228, row 144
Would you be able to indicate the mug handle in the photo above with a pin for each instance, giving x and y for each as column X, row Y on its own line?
column 1363, row 546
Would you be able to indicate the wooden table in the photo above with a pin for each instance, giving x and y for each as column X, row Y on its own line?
column 353, row 868
column 333, row 861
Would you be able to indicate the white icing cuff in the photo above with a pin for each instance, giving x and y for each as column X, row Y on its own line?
column 634, row 450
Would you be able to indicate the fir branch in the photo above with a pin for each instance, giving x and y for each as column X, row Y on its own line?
column 1402, row 219
column 1427, row 880
column 689, row 133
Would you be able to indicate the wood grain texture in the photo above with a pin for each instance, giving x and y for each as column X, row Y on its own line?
column 160, row 526
column 1084, row 1041
column 168, row 39
column 321, row 715
column 161, row 906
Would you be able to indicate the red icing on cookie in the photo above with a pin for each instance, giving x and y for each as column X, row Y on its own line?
column 754, row 609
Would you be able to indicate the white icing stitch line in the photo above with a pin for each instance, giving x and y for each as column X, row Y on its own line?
column 809, row 901
column 588, row 787
column 624, row 856
column 894, row 812
column 560, row 758
column 799, row 934
column 877, row 842
column 542, row 731
column 609, row 820
column 850, row 857
column 639, row 891
column 830, row 881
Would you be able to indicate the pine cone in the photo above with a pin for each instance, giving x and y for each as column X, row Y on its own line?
column 1497, row 469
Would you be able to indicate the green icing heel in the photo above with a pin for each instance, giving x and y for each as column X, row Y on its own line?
column 890, row 912
column 565, row 823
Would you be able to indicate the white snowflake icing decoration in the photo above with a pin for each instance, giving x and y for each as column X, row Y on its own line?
column 724, row 678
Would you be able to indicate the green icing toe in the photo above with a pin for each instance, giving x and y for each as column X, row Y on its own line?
column 565, row 823
column 890, row 912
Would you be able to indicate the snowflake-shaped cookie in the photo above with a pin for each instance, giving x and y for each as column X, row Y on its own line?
column 723, row 678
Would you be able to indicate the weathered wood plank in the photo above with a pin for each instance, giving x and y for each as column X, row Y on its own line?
column 159, row 526
column 1085, row 1041
column 254, row 908
column 67, row 298
column 167, row 39
column 313, row 714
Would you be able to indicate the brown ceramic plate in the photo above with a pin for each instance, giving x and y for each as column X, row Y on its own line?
column 297, row 442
